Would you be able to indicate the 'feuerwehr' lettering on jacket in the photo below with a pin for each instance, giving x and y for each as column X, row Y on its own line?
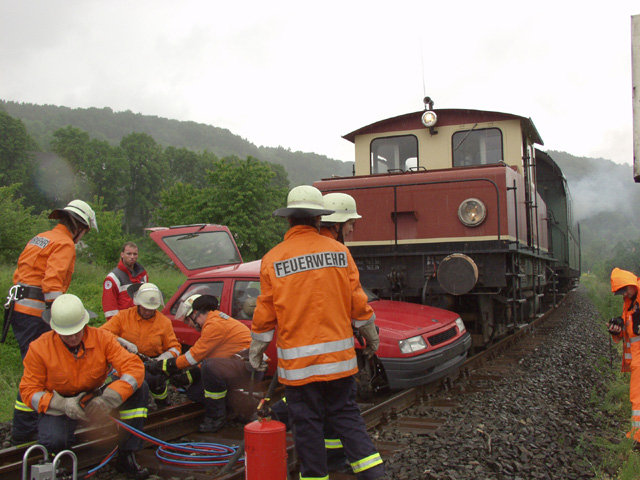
column 313, row 261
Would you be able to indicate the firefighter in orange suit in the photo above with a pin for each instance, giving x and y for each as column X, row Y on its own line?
column 339, row 224
column 44, row 272
column 143, row 330
column 223, row 350
column 310, row 290
column 627, row 329
column 65, row 365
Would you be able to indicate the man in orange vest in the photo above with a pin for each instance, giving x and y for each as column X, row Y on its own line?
column 219, row 350
column 44, row 272
column 310, row 290
column 142, row 329
column 64, row 365
column 627, row 329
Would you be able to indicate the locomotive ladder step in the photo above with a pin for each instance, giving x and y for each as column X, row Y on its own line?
column 518, row 275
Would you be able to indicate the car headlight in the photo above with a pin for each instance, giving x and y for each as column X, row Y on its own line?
column 460, row 325
column 412, row 344
column 472, row 212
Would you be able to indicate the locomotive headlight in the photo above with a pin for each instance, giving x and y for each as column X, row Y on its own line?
column 412, row 344
column 472, row 212
column 460, row 325
column 429, row 118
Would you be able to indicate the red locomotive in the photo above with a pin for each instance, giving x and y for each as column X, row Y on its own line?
column 461, row 211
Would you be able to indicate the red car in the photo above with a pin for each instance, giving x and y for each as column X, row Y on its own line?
column 418, row 343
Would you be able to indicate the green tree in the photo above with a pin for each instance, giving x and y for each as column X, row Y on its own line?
column 187, row 166
column 18, row 225
column 241, row 194
column 103, row 247
column 146, row 170
column 17, row 162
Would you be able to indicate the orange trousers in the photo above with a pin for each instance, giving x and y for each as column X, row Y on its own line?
column 634, row 396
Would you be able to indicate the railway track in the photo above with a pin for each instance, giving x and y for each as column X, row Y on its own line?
column 179, row 423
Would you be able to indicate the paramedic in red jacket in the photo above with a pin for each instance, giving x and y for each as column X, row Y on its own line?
column 73, row 360
column 44, row 272
column 310, row 290
column 142, row 329
column 114, row 288
column 627, row 329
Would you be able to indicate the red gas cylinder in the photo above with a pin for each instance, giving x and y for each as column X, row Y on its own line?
column 265, row 446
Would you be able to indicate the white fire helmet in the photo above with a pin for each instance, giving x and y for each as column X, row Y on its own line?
column 148, row 296
column 303, row 201
column 79, row 210
column 344, row 206
column 186, row 307
column 68, row 315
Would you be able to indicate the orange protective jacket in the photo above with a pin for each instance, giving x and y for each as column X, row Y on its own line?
column 631, row 346
column 152, row 337
column 46, row 262
column 310, row 289
column 49, row 366
column 222, row 336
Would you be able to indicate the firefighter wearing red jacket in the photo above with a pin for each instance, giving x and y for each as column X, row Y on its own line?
column 73, row 360
column 627, row 329
column 220, row 348
column 142, row 329
column 44, row 272
column 310, row 290
column 114, row 288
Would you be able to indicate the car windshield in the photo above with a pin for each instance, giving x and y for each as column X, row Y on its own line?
column 203, row 249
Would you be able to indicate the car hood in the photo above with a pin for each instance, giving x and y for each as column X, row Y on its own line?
column 404, row 320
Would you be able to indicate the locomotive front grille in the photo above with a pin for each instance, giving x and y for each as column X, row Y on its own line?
column 442, row 337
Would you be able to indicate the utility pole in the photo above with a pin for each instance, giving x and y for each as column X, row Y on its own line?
column 635, row 79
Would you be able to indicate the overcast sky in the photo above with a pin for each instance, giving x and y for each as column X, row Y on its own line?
column 302, row 74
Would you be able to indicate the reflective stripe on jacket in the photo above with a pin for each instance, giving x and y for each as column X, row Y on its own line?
column 49, row 365
column 222, row 336
column 47, row 262
column 114, row 288
column 631, row 342
column 310, row 289
column 152, row 337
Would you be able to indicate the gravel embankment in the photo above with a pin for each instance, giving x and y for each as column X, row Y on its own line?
column 537, row 423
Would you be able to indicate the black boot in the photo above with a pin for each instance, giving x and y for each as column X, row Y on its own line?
column 211, row 424
column 126, row 463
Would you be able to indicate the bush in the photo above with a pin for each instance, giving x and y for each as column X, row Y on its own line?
column 18, row 225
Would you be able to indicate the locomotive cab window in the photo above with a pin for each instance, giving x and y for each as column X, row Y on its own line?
column 477, row 147
column 390, row 154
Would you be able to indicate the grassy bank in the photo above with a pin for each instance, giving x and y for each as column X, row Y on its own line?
column 86, row 284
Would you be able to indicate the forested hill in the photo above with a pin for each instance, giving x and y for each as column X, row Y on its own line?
column 605, row 200
column 105, row 124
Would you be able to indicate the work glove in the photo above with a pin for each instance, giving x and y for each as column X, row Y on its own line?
column 185, row 378
column 164, row 356
column 256, row 357
column 615, row 326
column 129, row 346
column 167, row 366
column 370, row 334
column 99, row 408
column 635, row 320
column 70, row 406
